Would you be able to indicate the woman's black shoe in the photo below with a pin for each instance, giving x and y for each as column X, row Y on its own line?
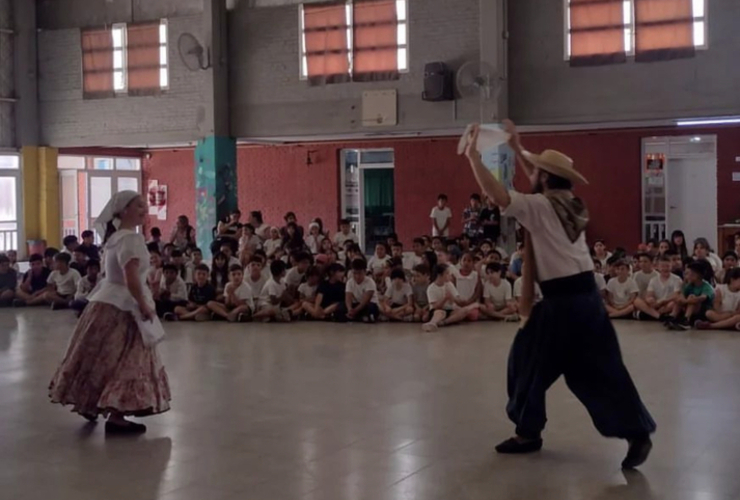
column 127, row 428
column 513, row 446
column 637, row 453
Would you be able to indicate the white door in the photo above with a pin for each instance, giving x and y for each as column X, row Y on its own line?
column 103, row 185
column 70, row 206
column 692, row 198
column 10, row 205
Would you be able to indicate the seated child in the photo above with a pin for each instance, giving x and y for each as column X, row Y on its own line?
column 8, row 281
column 49, row 255
column 248, row 243
column 314, row 238
column 172, row 292
column 621, row 292
column 86, row 285
column 196, row 259
column 468, row 284
column 519, row 283
column 275, row 243
column 695, row 300
column 70, row 242
column 238, row 302
column 156, row 239
column 13, row 256
column 294, row 277
column 726, row 312
column 376, row 264
column 676, row 263
column 33, row 287
column 329, row 295
column 255, row 276
column 62, row 283
column 444, row 301
column 497, row 294
column 200, row 295
column 154, row 275
column 344, row 235
column 219, row 274
column 231, row 260
column 177, row 259
column 274, row 300
column 89, row 246
column 396, row 303
column 79, row 261
column 307, row 291
column 662, row 292
column 729, row 262
column 645, row 274
column 599, row 278
column 361, row 297
column 420, row 300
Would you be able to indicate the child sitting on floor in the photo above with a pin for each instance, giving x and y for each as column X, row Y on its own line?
column 196, row 259
column 172, row 292
column 729, row 262
column 238, row 302
column 219, row 274
column 645, row 274
column 361, row 295
column 62, row 283
column 661, row 293
column 419, row 287
column 329, row 295
column 275, row 243
column 79, row 261
column 201, row 293
column 8, row 281
column 307, row 291
column 255, row 276
column 621, row 292
column 468, row 284
column 726, row 312
column 497, row 295
column 396, row 302
column 696, row 299
column 376, row 264
column 295, row 275
column 154, row 275
column 32, row 289
column 518, row 292
column 274, row 300
column 344, row 235
column 85, row 286
column 444, row 301
column 13, row 257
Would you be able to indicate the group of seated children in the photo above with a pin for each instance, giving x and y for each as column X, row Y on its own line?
column 681, row 293
column 58, row 279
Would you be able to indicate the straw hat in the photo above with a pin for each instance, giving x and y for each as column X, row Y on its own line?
column 556, row 163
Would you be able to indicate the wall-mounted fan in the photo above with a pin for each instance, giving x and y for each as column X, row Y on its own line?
column 479, row 79
column 193, row 54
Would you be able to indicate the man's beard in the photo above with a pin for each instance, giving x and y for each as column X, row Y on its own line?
column 538, row 187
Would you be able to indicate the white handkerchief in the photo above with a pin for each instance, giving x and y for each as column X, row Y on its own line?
column 489, row 137
column 152, row 332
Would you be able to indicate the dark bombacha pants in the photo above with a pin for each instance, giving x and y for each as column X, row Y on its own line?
column 569, row 333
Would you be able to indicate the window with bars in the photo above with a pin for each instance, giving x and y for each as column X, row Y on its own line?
column 354, row 40
column 125, row 59
column 608, row 31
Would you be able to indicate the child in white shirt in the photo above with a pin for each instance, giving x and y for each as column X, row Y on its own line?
column 314, row 238
column 275, row 298
column 468, row 284
column 661, row 293
column 645, row 274
column 86, row 285
column 519, row 283
column 343, row 235
column 726, row 312
column 238, row 301
column 497, row 293
column 441, row 216
column 621, row 292
column 255, row 276
column 377, row 262
column 275, row 243
column 307, row 291
column 62, row 282
column 361, row 295
column 444, row 301
column 196, row 259
column 419, row 287
column 295, row 275
column 172, row 292
column 396, row 302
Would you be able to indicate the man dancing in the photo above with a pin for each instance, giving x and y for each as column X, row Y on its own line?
column 569, row 332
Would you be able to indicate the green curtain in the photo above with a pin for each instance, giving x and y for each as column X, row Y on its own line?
column 378, row 190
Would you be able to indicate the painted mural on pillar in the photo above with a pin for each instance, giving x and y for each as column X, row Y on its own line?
column 500, row 161
column 215, row 186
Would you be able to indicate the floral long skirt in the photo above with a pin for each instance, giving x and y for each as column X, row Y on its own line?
column 108, row 368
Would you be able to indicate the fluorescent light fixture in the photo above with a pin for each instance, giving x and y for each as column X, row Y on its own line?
column 708, row 121
column 696, row 139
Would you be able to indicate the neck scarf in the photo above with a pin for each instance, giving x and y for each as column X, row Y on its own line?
column 571, row 211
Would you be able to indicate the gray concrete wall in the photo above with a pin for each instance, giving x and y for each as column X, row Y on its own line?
column 63, row 14
column 545, row 90
column 67, row 119
column 268, row 99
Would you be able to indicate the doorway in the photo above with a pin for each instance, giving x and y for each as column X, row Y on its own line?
column 368, row 194
column 680, row 187
column 10, row 204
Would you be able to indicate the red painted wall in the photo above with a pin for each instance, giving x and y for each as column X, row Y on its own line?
column 276, row 179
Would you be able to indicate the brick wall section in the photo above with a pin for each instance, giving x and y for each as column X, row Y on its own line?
column 276, row 179
column 68, row 120
column 268, row 99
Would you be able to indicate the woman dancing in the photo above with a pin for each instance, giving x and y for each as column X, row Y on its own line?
column 108, row 369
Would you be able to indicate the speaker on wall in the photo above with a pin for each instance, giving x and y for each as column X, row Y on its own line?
column 438, row 82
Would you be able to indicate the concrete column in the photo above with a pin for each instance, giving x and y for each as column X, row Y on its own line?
column 41, row 203
column 215, row 154
column 493, row 50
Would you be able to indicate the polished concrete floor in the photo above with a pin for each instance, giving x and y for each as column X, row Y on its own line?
column 328, row 412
